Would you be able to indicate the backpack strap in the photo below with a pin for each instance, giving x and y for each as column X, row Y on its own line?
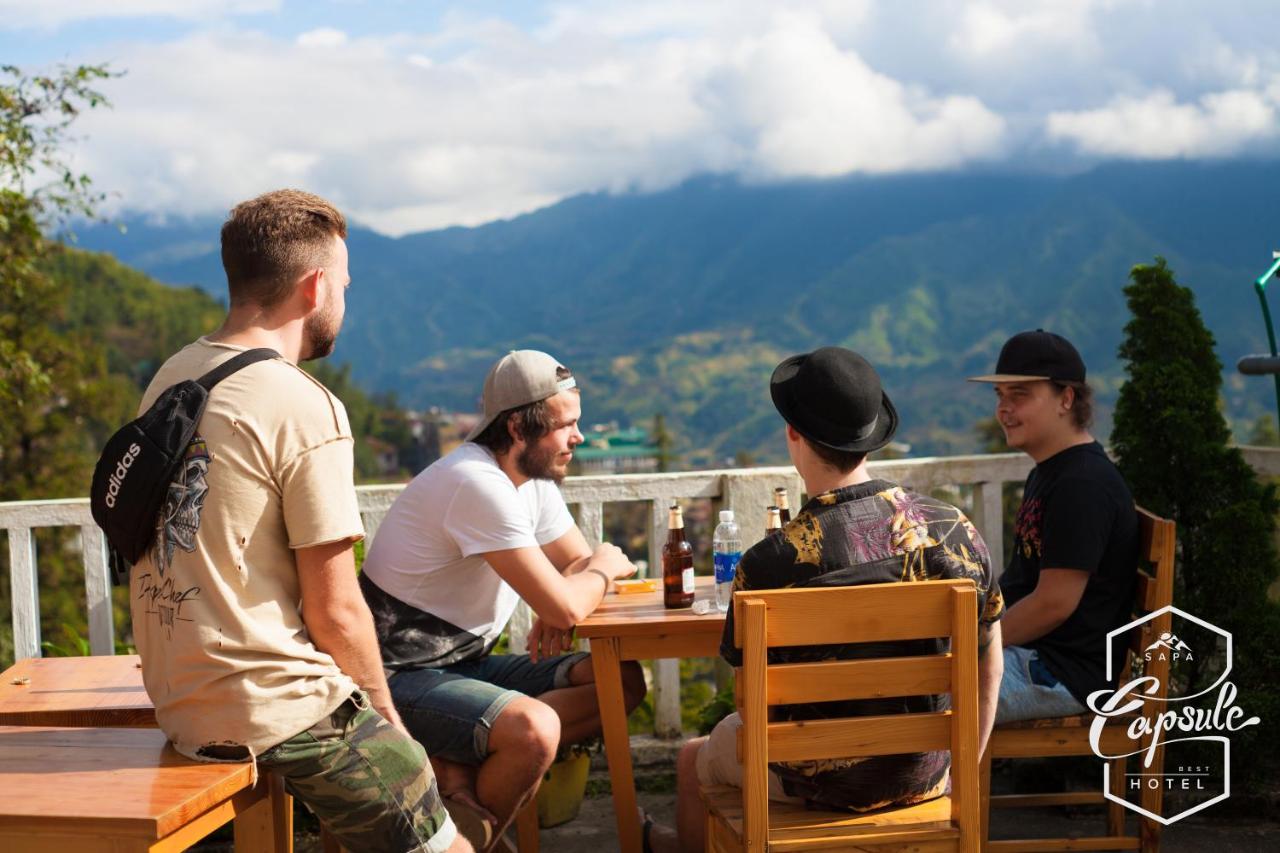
column 231, row 365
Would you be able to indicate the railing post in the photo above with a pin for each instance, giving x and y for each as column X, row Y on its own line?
column 748, row 494
column 591, row 523
column 988, row 507
column 26, row 596
column 97, row 588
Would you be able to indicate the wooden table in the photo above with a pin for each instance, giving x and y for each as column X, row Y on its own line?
column 123, row 789
column 104, row 690
column 638, row 627
column 107, row 691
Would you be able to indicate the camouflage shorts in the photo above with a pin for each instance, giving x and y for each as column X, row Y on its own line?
column 368, row 783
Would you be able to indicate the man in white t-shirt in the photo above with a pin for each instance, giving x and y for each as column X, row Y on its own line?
column 467, row 539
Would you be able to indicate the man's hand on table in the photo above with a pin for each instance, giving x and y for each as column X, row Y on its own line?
column 610, row 560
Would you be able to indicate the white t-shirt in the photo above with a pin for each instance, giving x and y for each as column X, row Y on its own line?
column 426, row 554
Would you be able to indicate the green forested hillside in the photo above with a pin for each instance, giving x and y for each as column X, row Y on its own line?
column 682, row 301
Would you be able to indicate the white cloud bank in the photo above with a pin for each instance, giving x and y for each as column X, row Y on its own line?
column 1157, row 126
column 479, row 118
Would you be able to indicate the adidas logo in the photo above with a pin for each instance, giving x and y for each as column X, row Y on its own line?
column 118, row 475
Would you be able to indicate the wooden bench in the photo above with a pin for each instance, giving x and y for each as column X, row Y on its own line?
column 119, row 790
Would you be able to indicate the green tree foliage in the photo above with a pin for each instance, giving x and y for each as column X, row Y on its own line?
column 1263, row 432
column 663, row 441
column 1173, row 447
column 53, row 380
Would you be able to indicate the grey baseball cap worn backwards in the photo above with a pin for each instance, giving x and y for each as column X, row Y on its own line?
column 519, row 378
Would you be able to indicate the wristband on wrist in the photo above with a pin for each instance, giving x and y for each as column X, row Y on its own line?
column 605, row 577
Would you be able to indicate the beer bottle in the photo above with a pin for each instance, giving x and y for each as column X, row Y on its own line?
column 784, row 505
column 773, row 522
column 677, row 562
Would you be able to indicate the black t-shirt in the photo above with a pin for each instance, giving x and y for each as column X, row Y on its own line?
column 1077, row 513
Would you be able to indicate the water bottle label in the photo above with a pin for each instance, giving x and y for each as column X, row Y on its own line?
column 686, row 579
column 727, row 566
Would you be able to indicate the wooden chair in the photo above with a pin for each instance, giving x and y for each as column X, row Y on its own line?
column 746, row 820
column 1067, row 736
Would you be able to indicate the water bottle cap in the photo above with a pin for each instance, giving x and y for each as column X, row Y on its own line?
column 726, row 515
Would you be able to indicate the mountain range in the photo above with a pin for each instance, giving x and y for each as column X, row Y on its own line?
column 680, row 302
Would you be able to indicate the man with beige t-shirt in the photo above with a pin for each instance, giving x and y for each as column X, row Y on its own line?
column 256, row 643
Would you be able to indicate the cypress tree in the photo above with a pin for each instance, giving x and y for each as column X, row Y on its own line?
column 1173, row 446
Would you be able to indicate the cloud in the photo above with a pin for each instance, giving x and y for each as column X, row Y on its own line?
column 51, row 14
column 988, row 29
column 1157, row 126
column 480, row 119
column 472, row 117
column 323, row 37
column 810, row 109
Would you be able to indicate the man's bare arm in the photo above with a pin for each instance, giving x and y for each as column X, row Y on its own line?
column 570, row 553
column 1056, row 596
column 990, row 671
column 339, row 621
column 561, row 601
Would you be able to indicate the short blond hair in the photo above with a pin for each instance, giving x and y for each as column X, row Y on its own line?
column 271, row 240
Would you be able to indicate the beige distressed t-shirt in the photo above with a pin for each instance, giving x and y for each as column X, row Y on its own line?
column 216, row 603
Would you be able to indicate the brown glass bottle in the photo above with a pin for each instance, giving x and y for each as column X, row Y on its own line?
column 677, row 562
column 782, row 503
column 772, row 521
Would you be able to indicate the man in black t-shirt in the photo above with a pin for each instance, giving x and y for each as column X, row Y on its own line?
column 1071, row 577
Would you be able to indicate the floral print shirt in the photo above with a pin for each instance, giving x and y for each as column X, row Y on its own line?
column 873, row 532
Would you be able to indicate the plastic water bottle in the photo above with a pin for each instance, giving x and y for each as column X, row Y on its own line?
column 726, row 551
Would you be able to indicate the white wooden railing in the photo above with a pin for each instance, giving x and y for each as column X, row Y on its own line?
column 745, row 490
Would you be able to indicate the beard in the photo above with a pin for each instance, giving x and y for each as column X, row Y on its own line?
column 320, row 333
column 540, row 464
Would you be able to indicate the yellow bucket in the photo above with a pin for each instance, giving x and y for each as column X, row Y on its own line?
column 563, row 786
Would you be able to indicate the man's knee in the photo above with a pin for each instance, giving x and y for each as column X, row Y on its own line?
column 633, row 686
column 687, row 761
column 529, row 728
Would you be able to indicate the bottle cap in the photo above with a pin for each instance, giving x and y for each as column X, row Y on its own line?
column 726, row 515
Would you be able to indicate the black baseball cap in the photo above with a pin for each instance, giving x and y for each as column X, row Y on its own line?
column 1030, row 356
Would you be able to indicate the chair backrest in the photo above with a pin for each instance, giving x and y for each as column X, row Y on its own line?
column 1158, row 538
column 858, row 614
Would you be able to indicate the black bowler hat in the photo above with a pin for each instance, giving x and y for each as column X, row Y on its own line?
column 832, row 397
column 1029, row 356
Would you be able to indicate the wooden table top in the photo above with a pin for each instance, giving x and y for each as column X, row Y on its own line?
column 128, row 780
column 643, row 615
column 102, row 690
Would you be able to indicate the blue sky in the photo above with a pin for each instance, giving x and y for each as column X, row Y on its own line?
column 415, row 115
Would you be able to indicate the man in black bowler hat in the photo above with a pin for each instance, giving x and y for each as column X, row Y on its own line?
column 853, row 530
column 1070, row 579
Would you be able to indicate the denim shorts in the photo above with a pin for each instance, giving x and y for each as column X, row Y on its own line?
column 451, row 711
column 1029, row 691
